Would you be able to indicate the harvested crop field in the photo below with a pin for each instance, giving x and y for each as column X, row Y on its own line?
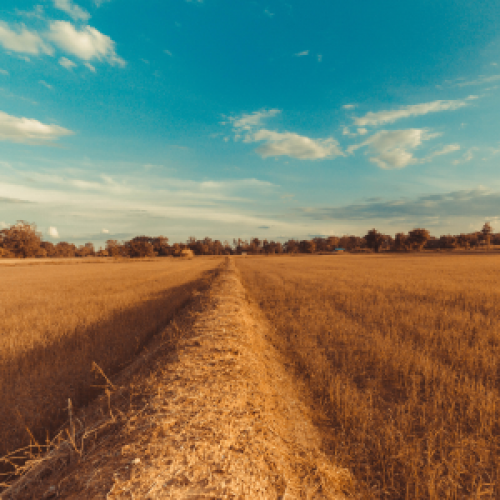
column 59, row 318
column 336, row 376
column 208, row 412
column 402, row 353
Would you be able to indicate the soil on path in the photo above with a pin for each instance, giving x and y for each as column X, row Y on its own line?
column 216, row 417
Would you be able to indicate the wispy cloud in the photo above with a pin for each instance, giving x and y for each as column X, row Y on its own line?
column 247, row 121
column 73, row 10
column 66, row 63
column 168, row 52
column 89, row 66
column 468, row 156
column 348, row 106
column 53, row 232
column 478, row 202
column 249, row 127
column 4, row 72
column 36, row 13
column 302, row 54
column 268, row 13
column 381, row 117
column 86, row 43
column 294, row 145
column 45, row 84
column 22, row 40
column 29, row 131
column 393, row 149
column 480, row 81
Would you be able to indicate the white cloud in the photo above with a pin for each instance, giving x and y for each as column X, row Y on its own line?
column 67, row 63
column 294, row 145
column 37, row 12
column 348, row 106
column 392, row 149
column 23, row 40
column 105, row 231
column 45, row 84
column 468, row 156
column 449, row 148
column 480, row 81
column 89, row 66
column 362, row 131
column 3, row 225
column 87, row 43
column 281, row 143
column 28, row 131
column 381, row 117
column 4, row 72
column 73, row 10
column 248, row 121
column 301, row 54
column 53, row 232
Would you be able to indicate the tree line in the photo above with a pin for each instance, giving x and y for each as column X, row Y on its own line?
column 22, row 240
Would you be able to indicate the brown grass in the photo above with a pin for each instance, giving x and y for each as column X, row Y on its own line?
column 57, row 320
column 403, row 355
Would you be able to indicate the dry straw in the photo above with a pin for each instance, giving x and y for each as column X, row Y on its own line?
column 402, row 354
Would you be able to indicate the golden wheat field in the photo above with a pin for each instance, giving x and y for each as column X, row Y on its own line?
column 57, row 320
column 402, row 358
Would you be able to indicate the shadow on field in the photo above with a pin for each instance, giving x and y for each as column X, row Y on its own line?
column 35, row 387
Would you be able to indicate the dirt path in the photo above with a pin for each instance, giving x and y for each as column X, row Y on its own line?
column 222, row 420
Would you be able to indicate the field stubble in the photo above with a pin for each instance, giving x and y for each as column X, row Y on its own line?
column 403, row 356
column 57, row 320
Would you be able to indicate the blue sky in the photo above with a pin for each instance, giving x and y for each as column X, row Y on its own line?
column 274, row 118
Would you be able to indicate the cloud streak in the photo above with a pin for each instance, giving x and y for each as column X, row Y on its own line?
column 73, row 10
column 29, row 131
column 382, row 117
column 479, row 203
column 23, row 40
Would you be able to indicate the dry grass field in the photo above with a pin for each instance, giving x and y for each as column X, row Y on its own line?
column 402, row 355
column 57, row 320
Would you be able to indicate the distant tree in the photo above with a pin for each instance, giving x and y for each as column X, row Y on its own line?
column 21, row 240
column 113, row 248
column 65, row 249
column 400, row 242
column 463, row 241
column 307, row 246
column 374, row 240
column 140, row 246
column 448, row 242
column 160, row 245
column 49, row 248
column 292, row 246
column 418, row 238
column 486, row 233
column 332, row 242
